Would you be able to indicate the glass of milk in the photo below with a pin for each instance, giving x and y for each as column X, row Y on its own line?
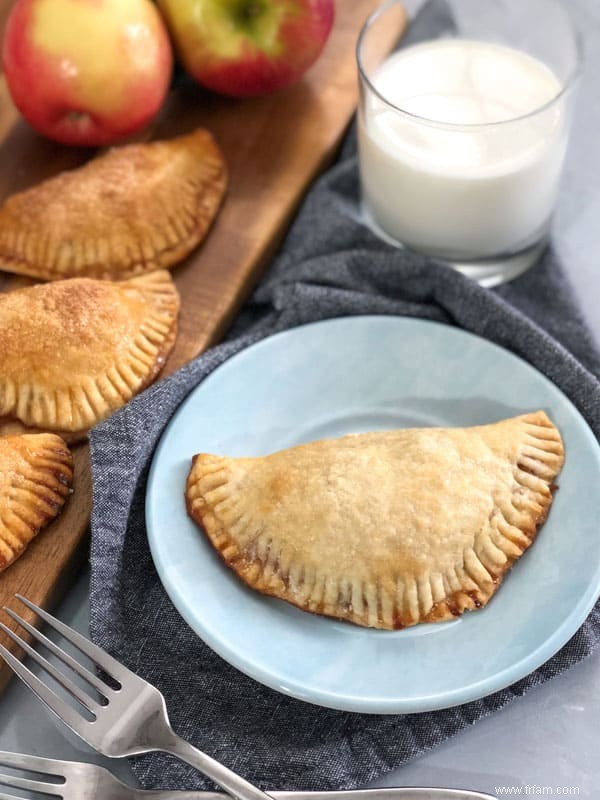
column 462, row 137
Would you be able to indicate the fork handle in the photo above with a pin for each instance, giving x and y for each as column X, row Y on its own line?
column 399, row 793
column 233, row 784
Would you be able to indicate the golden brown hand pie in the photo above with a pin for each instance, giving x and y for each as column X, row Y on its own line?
column 36, row 473
column 74, row 351
column 382, row 529
column 135, row 209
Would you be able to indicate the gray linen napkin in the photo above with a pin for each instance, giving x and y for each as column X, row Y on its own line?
column 329, row 266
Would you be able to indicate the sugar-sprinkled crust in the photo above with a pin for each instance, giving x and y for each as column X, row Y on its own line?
column 132, row 210
column 74, row 351
column 36, row 474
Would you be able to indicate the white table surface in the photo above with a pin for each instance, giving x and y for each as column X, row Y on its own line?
column 549, row 740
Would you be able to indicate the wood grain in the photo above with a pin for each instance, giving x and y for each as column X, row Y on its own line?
column 274, row 147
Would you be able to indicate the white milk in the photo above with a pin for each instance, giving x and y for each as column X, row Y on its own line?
column 471, row 192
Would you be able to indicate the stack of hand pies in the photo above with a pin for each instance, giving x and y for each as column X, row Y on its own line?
column 99, row 326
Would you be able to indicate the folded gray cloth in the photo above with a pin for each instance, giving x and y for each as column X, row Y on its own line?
column 329, row 266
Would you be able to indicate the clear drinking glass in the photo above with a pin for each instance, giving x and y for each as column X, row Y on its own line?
column 463, row 134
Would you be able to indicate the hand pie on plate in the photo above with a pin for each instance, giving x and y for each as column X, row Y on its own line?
column 74, row 351
column 36, row 473
column 135, row 209
column 382, row 529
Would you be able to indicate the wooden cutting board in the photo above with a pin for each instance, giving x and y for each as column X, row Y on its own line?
column 274, row 147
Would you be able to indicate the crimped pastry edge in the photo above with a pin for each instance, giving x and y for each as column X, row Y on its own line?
column 13, row 261
column 13, row 424
column 473, row 597
column 49, row 481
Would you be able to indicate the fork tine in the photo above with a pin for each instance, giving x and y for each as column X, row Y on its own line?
column 32, row 786
column 110, row 665
column 55, row 703
column 45, row 766
column 58, row 676
column 65, row 657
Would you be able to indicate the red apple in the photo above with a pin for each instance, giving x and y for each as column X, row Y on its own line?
column 87, row 72
column 248, row 47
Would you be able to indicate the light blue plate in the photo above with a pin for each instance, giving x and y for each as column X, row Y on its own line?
column 359, row 374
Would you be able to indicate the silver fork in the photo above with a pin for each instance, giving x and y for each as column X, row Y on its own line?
column 75, row 781
column 131, row 718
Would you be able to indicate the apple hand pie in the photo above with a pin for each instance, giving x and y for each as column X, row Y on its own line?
column 74, row 351
column 135, row 209
column 384, row 529
column 36, row 473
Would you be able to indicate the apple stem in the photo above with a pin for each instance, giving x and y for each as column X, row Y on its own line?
column 253, row 10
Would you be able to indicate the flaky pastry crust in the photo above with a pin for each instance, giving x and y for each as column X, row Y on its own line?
column 133, row 210
column 384, row 529
column 74, row 351
column 36, row 474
